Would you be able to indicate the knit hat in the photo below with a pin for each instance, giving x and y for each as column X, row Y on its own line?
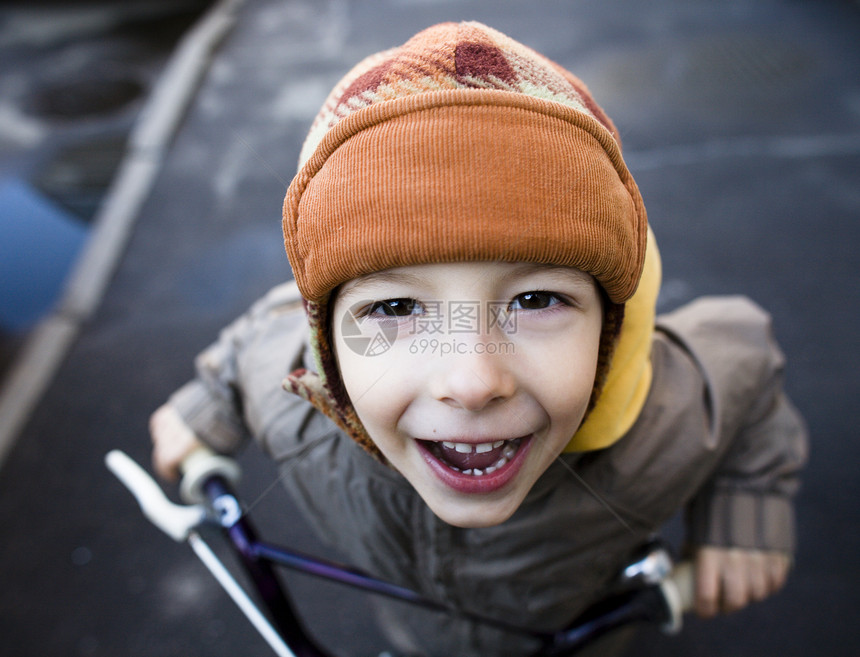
column 460, row 145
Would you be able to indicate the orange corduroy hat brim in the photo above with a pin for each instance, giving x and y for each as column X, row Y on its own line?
column 464, row 175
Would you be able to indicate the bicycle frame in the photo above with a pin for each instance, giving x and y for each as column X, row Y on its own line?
column 650, row 595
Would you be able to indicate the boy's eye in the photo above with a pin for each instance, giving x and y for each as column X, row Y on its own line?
column 395, row 307
column 534, row 301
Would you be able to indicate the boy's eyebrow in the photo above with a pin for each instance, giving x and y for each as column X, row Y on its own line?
column 356, row 285
column 529, row 267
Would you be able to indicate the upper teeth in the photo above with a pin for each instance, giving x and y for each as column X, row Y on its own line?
column 468, row 448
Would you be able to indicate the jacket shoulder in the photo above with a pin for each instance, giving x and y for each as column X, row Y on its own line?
column 724, row 330
column 730, row 339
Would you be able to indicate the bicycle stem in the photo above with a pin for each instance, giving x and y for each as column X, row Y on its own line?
column 244, row 538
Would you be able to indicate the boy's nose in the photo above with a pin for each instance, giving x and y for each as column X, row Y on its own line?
column 473, row 382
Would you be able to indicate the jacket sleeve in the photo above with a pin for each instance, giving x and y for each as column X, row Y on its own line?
column 759, row 437
column 239, row 376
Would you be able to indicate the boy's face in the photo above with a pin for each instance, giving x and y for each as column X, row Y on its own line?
column 471, row 378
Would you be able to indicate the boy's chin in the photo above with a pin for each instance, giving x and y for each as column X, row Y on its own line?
column 473, row 514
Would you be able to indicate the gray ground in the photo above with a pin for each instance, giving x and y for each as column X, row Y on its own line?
column 741, row 124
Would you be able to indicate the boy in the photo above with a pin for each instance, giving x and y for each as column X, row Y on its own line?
column 479, row 288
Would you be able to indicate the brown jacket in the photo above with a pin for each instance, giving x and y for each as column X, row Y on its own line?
column 716, row 439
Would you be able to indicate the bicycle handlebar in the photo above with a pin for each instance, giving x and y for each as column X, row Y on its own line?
column 175, row 520
column 179, row 522
column 202, row 467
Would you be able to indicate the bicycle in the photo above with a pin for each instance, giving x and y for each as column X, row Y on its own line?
column 653, row 589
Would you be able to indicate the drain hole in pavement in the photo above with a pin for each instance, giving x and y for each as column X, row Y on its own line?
column 75, row 99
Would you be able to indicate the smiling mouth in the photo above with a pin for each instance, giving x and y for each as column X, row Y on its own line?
column 475, row 460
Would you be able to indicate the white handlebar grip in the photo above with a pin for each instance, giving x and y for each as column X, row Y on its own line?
column 173, row 519
column 201, row 464
column 679, row 591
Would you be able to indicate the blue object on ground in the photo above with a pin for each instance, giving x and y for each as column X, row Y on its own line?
column 38, row 244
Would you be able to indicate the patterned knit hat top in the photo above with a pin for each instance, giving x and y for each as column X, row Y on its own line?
column 460, row 145
column 449, row 56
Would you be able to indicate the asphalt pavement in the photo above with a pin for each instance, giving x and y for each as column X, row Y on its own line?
column 741, row 124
